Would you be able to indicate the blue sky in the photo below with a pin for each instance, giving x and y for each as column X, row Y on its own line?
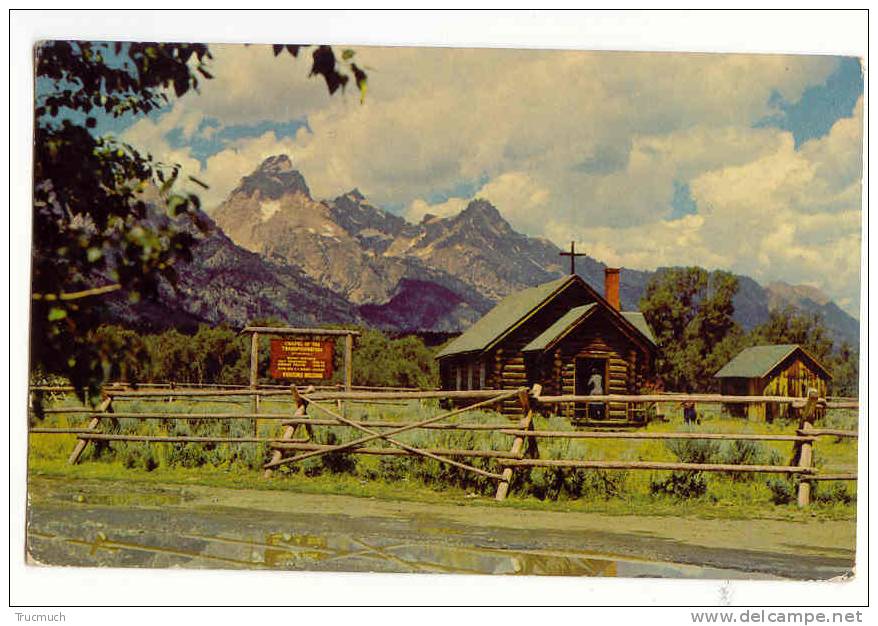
column 820, row 106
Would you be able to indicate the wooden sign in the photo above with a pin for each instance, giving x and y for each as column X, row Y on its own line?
column 309, row 359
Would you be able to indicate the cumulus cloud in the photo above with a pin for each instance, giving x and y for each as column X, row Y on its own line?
column 416, row 211
column 221, row 171
column 522, row 198
column 566, row 144
column 774, row 217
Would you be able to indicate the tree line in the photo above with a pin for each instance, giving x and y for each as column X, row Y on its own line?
column 220, row 355
column 690, row 312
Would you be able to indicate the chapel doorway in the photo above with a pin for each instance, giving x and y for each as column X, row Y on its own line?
column 590, row 380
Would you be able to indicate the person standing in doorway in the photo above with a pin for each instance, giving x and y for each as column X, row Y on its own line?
column 596, row 388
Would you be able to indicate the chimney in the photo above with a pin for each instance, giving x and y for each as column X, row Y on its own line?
column 611, row 286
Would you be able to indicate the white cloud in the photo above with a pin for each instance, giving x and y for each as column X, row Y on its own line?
column 522, row 199
column 775, row 217
column 416, row 211
column 251, row 84
column 225, row 169
column 584, row 145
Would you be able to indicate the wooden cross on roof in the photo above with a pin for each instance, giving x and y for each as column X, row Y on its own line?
column 572, row 254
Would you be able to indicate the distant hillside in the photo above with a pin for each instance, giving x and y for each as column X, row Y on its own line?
column 276, row 251
column 227, row 284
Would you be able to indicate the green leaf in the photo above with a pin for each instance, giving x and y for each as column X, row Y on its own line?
column 174, row 204
column 362, row 81
column 93, row 254
column 57, row 313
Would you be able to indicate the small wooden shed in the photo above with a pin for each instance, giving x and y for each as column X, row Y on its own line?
column 564, row 336
column 773, row 370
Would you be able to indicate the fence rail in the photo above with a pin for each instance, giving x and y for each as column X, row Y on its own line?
column 307, row 403
column 229, row 387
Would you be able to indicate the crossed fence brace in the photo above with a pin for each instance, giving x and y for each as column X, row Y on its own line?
column 303, row 402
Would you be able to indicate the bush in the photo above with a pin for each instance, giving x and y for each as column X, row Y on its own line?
column 547, row 483
column 136, row 455
column 694, row 450
column 337, row 462
column 604, row 484
column 836, row 493
column 680, row 485
column 746, row 452
column 783, row 491
column 552, row 483
column 686, row 484
column 394, row 468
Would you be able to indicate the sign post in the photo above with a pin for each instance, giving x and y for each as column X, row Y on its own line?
column 303, row 354
column 348, row 356
column 254, row 367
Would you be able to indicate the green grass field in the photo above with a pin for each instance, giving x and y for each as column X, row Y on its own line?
column 409, row 478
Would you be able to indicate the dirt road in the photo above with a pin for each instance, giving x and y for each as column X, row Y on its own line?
column 99, row 523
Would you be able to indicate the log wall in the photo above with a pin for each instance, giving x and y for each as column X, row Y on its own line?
column 792, row 379
column 508, row 368
column 599, row 339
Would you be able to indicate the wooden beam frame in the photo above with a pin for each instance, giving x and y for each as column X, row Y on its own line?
column 105, row 407
column 524, row 436
column 290, row 429
column 255, row 331
column 525, row 426
column 286, row 330
column 399, row 444
column 806, row 448
column 357, row 442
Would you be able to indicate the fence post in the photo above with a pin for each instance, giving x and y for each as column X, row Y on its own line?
column 290, row 429
column 348, row 371
column 805, row 452
column 105, row 407
column 526, row 423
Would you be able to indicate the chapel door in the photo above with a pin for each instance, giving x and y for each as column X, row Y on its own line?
column 591, row 379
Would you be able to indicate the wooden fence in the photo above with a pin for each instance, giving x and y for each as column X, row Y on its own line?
column 310, row 408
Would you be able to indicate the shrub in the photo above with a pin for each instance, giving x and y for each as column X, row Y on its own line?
column 681, row 485
column 841, row 419
column 136, row 455
column 604, row 484
column 836, row 493
column 394, row 468
column 552, row 483
column 686, row 484
column 783, row 491
column 547, row 483
column 337, row 462
column 694, row 450
column 744, row 452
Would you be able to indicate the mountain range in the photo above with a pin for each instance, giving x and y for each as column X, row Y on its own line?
column 273, row 250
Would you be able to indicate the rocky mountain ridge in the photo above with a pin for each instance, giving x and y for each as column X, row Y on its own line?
column 279, row 252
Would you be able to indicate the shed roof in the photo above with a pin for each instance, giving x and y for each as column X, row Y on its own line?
column 561, row 327
column 758, row 361
column 502, row 317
